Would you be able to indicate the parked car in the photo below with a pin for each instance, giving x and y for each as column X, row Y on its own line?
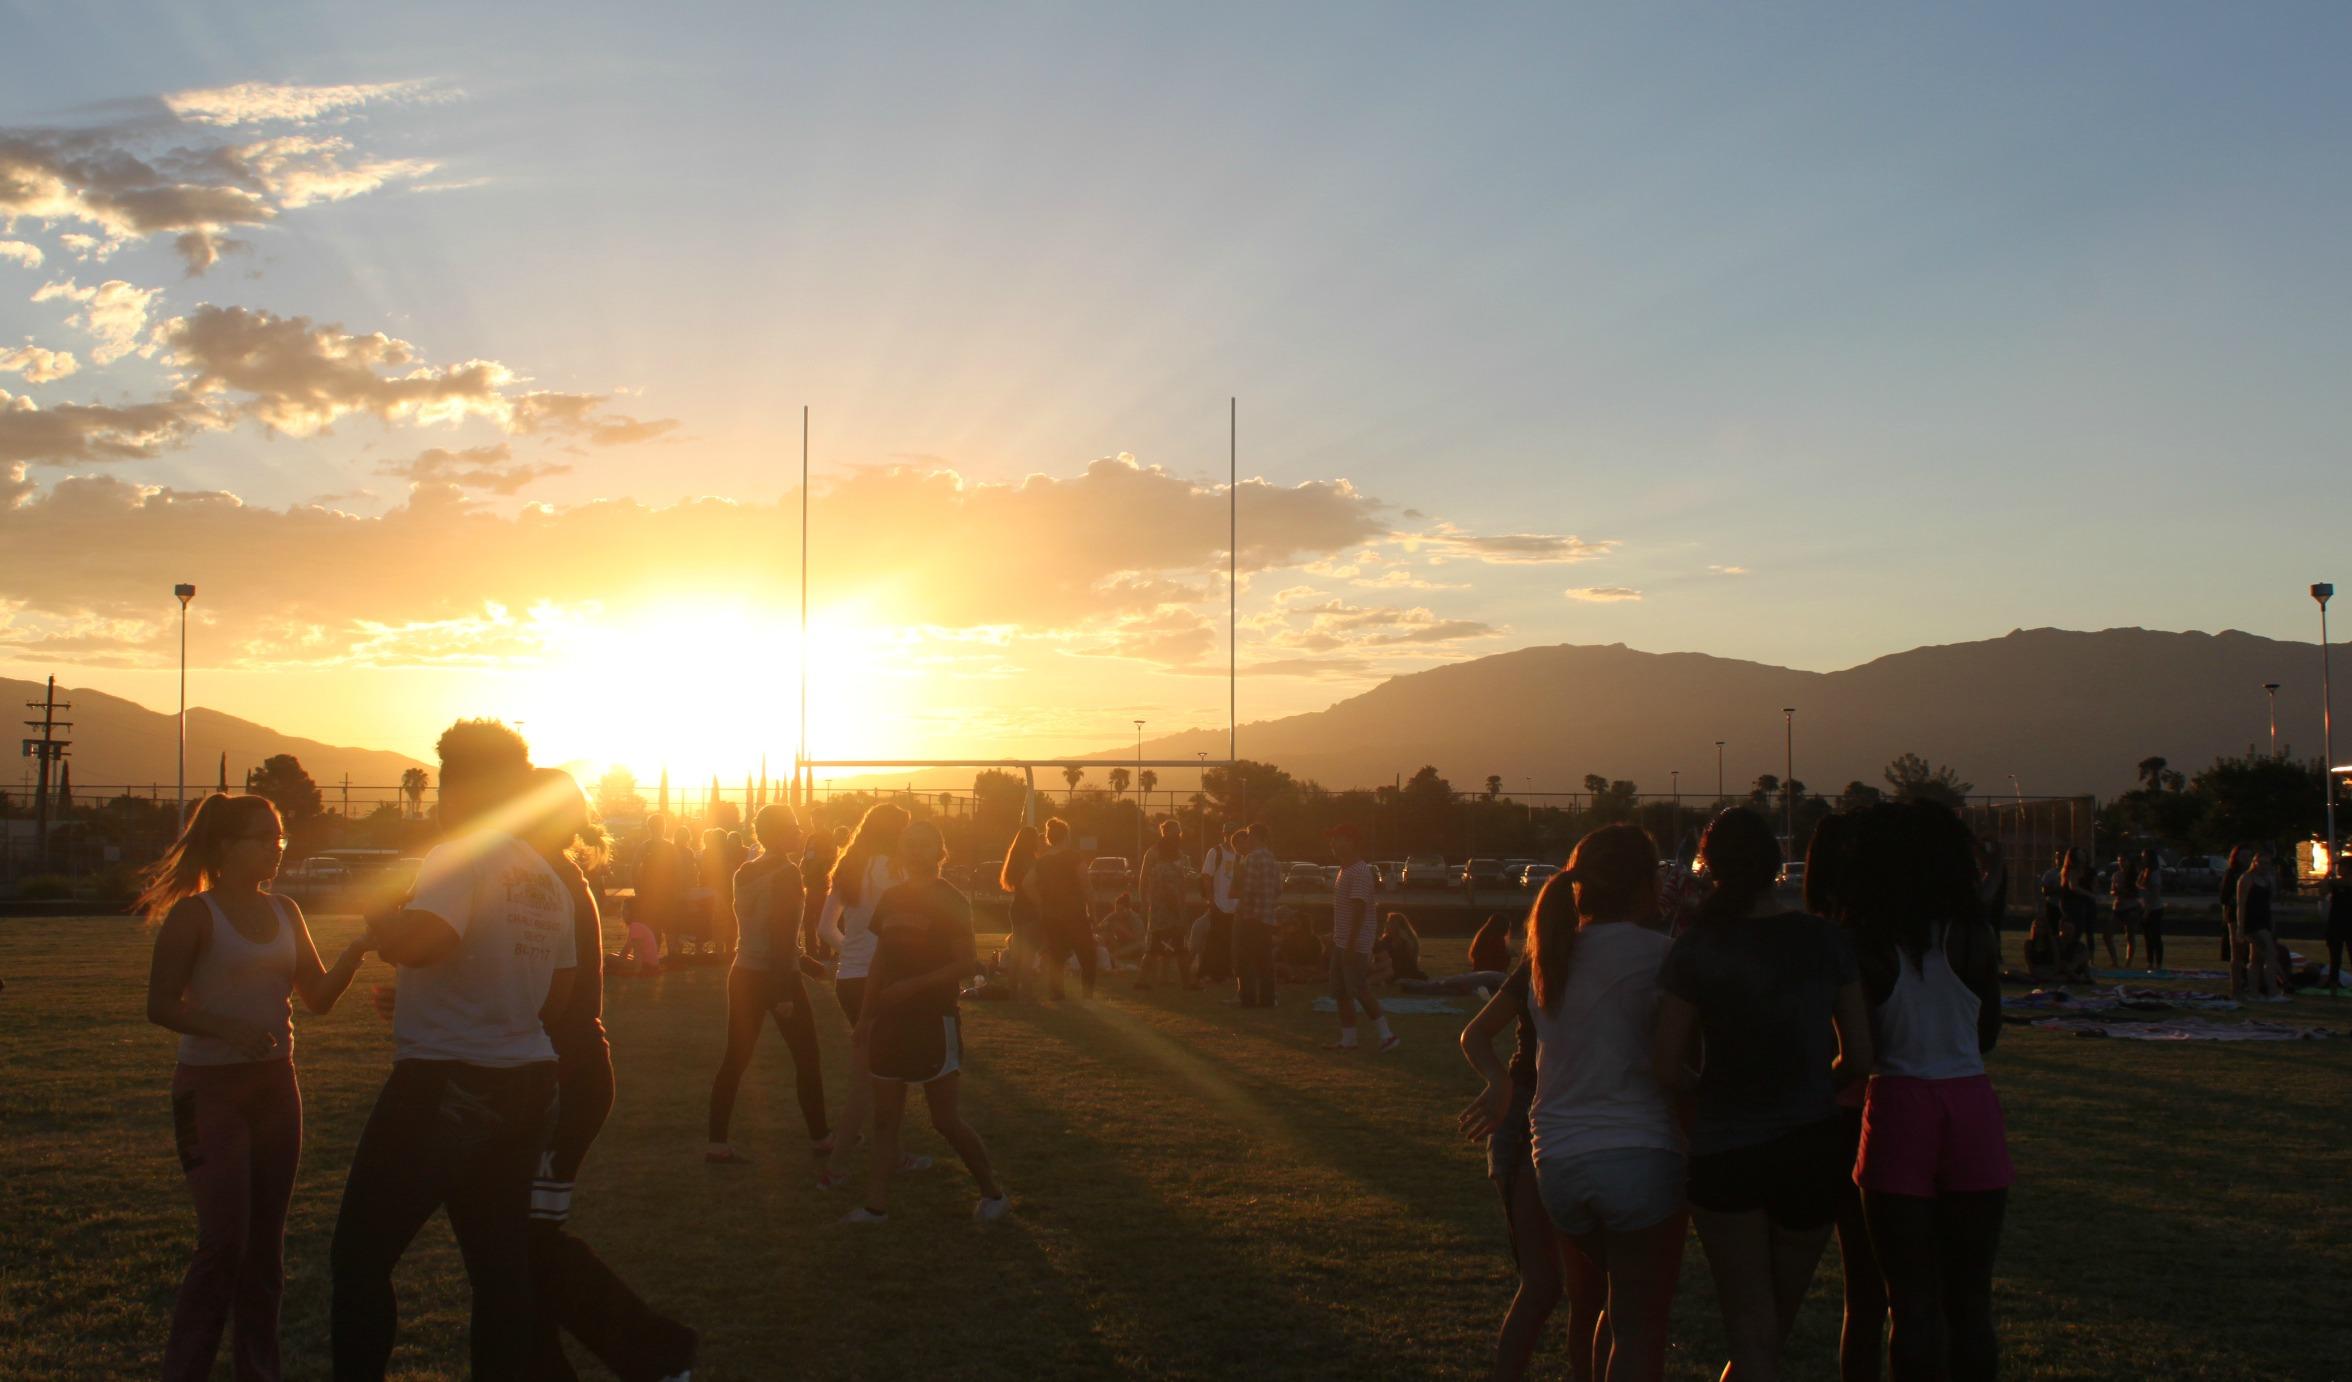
column 1108, row 873
column 1532, row 876
column 1331, row 876
column 1302, row 875
column 1792, row 875
column 1391, row 873
column 1427, row 871
column 1484, row 873
column 2201, row 872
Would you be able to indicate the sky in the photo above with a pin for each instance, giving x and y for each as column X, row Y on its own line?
column 458, row 354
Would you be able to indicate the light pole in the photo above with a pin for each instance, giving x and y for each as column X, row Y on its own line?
column 1788, row 783
column 2327, row 730
column 2270, row 688
column 186, row 592
column 1719, row 774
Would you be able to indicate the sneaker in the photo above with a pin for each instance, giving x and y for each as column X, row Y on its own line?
column 908, row 1164
column 989, row 1211
column 827, row 1180
column 863, row 1215
column 1390, row 1043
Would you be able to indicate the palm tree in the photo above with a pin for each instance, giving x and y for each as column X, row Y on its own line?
column 1119, row 780
column 1147, row 782
column 1073, row 775
column 1494, row 785
column 413, row 783
column 2152, row 773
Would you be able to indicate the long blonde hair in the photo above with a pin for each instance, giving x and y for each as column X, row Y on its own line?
column 193, row 863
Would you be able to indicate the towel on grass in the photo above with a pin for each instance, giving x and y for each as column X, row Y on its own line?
column 2184, row 1029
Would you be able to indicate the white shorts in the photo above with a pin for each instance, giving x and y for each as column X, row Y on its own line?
column 917, row 1052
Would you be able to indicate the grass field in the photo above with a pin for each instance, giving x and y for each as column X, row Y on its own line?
column 1199, row 1192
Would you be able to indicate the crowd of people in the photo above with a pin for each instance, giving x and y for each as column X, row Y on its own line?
column 1688, row 1050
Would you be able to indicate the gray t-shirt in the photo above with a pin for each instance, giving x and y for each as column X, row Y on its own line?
column 1766, row 988
column 480, row 1004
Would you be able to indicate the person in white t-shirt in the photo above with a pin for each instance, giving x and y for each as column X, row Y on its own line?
column 1355, row 925
column 867, row 868
column 485, row 950
column 1212, row 955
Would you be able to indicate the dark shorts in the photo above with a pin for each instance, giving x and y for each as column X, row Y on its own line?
column 917, row 1049
column 1510, row 1148
column 851, row 994
column 1796, row 1177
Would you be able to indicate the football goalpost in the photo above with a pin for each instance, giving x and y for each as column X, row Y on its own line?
column 805, row 767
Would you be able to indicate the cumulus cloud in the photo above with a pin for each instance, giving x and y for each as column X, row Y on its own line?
column 20, row 252
column 248, row 103
column 581, row 415
column 1099, row 561
column 484, row 469
column 300, row 378
column 115, row 312
column 118, row 183
column 76, row 432
column 1603, row 594
column 1444, row 540
column 37, row 365
column 1331, row 625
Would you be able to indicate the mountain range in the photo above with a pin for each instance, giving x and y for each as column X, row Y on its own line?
column 118, row 743
column 2066, row 712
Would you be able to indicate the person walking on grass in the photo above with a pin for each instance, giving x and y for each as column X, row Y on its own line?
column 765, row 983
column 1057, row 885
column 1354, row 926
column 2257, row 946
column 2152, row 908
column 1608, row 1150
column 909, row 1028
column 486, row 954
column 866, row 870
column 2233, row 869
column 1934, row 1168
column 1549, row 1265
column 1829, row 859
column 1258, row 902
column 2123, row 911
column 1164, row 877
column 228, row 957
column 1775, row 997
column 572, row 1290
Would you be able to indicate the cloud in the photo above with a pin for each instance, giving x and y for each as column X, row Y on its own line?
column 249, row 103
column 20, row 252
column 1506, row 549
column 1729, row 570
column 577, row 414
column 201, row 249
column 145, row 176
column 115, row 312
column 1101, row 560
column 299, row 378
column 37, row 365
column 1603, row 594
column 74, row 432
column 1332, row 625
column 489, row 469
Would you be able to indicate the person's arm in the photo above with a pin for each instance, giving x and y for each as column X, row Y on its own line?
column 559, row 995
column 829, row 931
column 413, row 938
column 178, row 943
column 786, row 901
column 321, row 987
column 1484, row 1113
column 1852, row 1018
column 1677, row 1032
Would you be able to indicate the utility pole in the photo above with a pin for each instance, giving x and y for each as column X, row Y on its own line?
column 45, row 750
column 347, row 795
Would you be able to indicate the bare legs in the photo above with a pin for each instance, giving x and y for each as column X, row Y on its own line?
column 1641, row 1268
column 889, row 1100
column 1761, row 1271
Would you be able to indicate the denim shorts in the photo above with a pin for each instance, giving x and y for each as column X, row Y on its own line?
column 1622, row 1190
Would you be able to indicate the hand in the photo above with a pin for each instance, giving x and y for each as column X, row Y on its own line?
column 359, row 949
column 1482, row 1115
column 252, row 1040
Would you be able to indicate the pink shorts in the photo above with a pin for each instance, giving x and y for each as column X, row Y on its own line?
column 1932, row 1137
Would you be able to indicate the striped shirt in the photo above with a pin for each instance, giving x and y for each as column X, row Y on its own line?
column 1354, row 908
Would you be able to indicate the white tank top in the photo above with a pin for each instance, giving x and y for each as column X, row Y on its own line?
column 1927, row 1026
column 235, row 978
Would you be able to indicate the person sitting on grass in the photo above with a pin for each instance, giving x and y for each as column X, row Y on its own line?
column 1300, row 956
column 1396, row 955
column 641, row 955
column 908, row 1027
column 1491, row 952
column 1122, row 935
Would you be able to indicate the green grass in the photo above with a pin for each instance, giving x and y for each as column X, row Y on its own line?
column 1199, row 1192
